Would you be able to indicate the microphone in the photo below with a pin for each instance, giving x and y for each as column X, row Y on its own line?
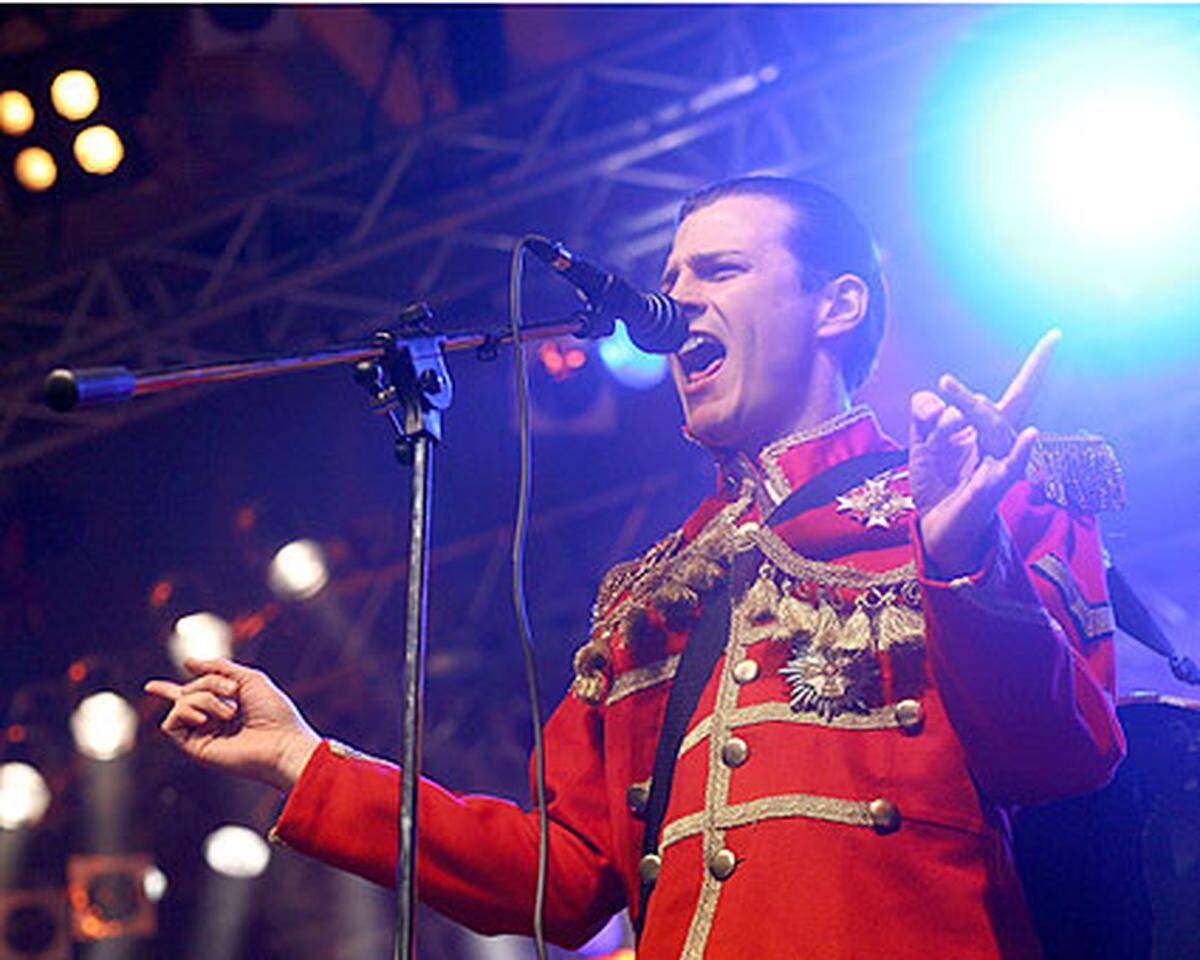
column 654, row 321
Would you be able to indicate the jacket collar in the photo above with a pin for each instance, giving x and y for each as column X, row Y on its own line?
column 789, row 462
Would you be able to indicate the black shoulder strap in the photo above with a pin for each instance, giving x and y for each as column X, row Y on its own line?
column 696, row 665
column 708, row 637
column 835, row 481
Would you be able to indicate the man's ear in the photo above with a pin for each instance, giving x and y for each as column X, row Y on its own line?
column 844, row 302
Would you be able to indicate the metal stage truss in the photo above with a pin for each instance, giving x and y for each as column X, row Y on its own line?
column 599, row 155
column 333, row 253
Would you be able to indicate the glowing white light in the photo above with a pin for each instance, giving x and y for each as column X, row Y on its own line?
column 16, row 113
column 104, row 726
column 298, row 571
column 24, row 796
column 154, row 884
column 235, row 851
column 99, row 150
column 201, row 636
column 1120, row 165
column 75, row 94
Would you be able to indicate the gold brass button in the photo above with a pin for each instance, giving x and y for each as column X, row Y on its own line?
column 885, row 815
column 745, row 671
column 637, row 796
column 722, row 864
column 648, row 868
column 910, row 715
column 735, row 752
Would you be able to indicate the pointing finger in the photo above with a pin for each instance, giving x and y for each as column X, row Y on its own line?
column 226, row 668
column 163, row 688
column 996, row 435
column 1021, row 392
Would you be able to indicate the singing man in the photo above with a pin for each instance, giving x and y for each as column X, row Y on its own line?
column 885, row 655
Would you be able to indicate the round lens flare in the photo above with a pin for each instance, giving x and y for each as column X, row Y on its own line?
column 24, row 796
column 104, row 726
column 200, row 636
column 16, row 113
column 298, row 571
column 630, row 366
column 35, row 169
column 75, row 94
column 99, row 150
column 1060, row 178
column 236, row 851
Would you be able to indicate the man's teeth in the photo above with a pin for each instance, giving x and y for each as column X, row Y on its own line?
column 699, row 353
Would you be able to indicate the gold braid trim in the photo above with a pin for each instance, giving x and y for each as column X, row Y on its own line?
column 854, row 813
column 880, row 718
column 1092, row 619
column 641, row 678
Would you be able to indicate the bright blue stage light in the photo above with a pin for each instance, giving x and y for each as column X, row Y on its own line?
column 629, row 365
column 1060, row 176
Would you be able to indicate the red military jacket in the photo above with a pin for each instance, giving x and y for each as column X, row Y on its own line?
column 844, row 786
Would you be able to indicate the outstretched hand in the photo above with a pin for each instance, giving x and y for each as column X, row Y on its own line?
column 966, row 452
column 234, row 718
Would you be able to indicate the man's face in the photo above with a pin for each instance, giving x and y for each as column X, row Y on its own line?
column 741, row 376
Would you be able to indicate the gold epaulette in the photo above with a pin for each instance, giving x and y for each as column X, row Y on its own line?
column 593, row 659
column 1080, row 471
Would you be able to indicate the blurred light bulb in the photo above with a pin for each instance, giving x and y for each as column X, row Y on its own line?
column 75, row 94
column 154, row 884
column 16, row 113
column 99, row 150
column 35, row 169
column 104, row 726
column 298, row 571
column 201, row 636
column 24, row 796
column 235, row 851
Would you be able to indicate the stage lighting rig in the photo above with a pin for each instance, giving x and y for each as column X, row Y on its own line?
column 74, row 103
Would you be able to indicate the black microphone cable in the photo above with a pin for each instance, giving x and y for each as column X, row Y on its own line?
column 524, row 629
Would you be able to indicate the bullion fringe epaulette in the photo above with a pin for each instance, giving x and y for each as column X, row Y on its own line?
column 1079, row 470
column 669, row 578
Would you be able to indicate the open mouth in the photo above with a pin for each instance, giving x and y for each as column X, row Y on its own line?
column 700, row 356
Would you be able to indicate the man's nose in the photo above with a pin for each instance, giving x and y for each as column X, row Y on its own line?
column 691, row 304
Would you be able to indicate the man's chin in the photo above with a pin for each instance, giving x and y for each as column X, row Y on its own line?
column 711, row 429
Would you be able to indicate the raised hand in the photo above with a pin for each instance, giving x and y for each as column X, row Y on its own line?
column 965, row 454
column 234, row 718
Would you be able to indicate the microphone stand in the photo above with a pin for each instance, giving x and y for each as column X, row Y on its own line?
column 405, row 373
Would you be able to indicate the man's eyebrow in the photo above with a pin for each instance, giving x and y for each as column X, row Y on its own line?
column 701, row 257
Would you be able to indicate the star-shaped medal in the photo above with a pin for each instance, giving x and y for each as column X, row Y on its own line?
column 875, row 503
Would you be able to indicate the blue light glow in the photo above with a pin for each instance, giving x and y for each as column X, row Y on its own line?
column 1060, row 180
column 629, row 365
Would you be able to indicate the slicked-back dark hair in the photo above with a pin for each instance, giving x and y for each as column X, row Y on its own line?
column 827, row 239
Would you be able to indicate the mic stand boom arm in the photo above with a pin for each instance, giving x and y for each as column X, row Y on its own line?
column 404, row 371
column 67, row 389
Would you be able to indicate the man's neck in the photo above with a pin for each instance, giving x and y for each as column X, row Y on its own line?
column 824, row 398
